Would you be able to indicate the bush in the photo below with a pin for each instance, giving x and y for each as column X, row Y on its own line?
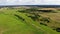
column 45, row 20
column 43, row 24
column 35, row 17
column 19, row 17
column 58, row 29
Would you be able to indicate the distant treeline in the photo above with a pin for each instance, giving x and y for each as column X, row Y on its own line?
column 44, row 6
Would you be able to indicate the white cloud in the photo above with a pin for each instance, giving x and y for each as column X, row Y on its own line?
column 2, row 2
column 30, row 2
column 56, row 2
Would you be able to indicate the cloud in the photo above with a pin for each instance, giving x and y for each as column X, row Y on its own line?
column 24, row 2
column 29, row 2
column 55, row 2
column 2, row 2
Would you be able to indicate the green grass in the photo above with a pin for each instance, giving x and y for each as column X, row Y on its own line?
column 10, row 24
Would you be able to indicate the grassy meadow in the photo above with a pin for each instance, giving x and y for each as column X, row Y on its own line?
column 29, row 21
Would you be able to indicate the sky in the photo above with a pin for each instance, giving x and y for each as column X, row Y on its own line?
column 29, row 2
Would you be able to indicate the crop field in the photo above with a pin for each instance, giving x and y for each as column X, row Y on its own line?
column 29, row 21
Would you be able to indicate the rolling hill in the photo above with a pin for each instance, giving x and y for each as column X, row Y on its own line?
column 18, row 21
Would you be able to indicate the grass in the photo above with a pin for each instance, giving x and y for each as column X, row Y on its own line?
column 10, row 24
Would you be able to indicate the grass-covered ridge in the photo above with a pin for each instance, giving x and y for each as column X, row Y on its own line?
column 13, row 21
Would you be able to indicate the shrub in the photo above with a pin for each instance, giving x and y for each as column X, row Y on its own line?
column 43, row 24
column 45, row 20
column 35, row 17
column 19, row 17
column 58, row 29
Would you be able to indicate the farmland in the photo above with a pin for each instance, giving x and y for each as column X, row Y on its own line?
column 29, row 21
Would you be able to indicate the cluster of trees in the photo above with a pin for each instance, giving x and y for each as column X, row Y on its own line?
column 28, row 10
column 36, row 10
column 45, row 10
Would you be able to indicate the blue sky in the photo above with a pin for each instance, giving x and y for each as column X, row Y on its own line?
column 29, row 2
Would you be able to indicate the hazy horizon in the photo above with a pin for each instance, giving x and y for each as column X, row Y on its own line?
column 29, row 2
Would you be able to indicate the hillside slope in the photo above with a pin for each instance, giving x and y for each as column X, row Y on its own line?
column 13, row 22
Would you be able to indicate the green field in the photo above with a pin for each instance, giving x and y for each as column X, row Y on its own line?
column 22, row 21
